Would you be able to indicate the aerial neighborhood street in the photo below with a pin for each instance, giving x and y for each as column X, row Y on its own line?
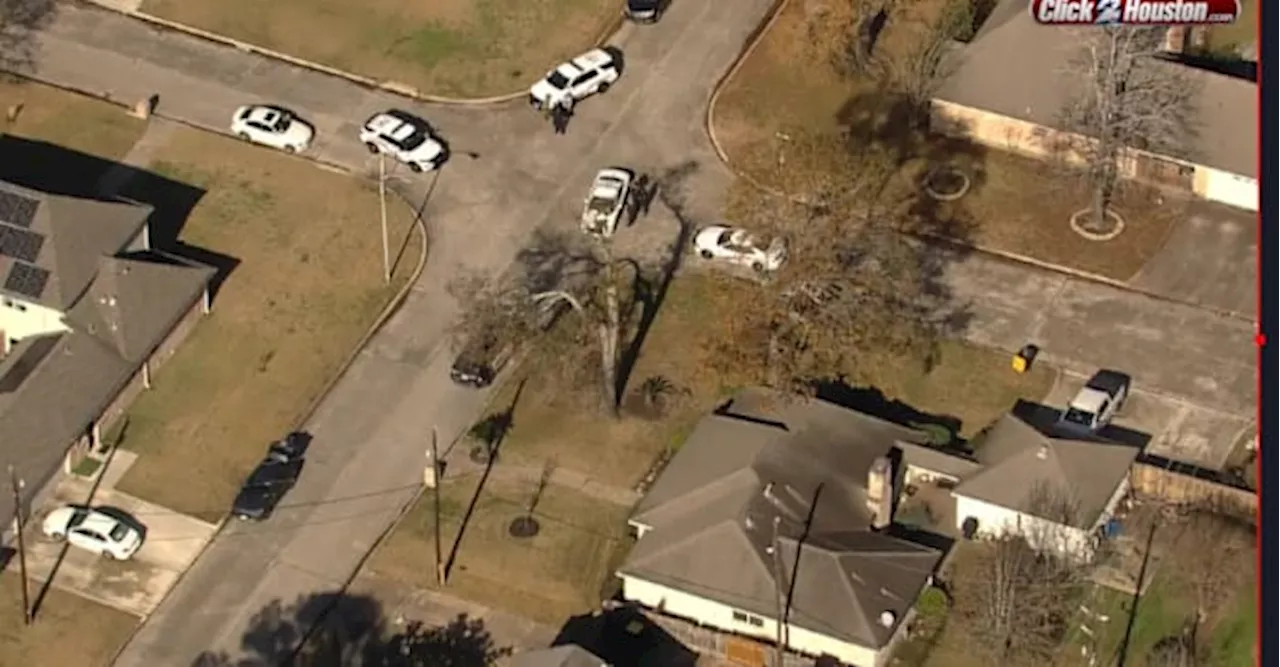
column 630, row 332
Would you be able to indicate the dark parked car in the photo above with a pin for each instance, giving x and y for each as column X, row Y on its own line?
column 645, row 11
column 272, row 479
column 482, row 358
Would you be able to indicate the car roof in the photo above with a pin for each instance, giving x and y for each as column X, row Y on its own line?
column 1089, row 400
column 98, row 522
column 264, row 113
column 396, row 124
column 592, row 59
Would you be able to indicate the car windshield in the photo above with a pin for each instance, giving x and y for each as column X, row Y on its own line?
column 281, row 124
column 413, row 141
column 1077, row 416
column 77, row 518
column 725, row 238
column 119, row 532
column 557, row 80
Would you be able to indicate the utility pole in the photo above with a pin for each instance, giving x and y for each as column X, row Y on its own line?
column 780, row 609
column 382, row 204
column 17, row 485
column 435, row 492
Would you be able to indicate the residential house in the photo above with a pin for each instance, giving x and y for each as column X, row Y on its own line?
column 1056, row 491
column 558, row 656
column 1009, row 85
column 88, row 310
column 781, row 509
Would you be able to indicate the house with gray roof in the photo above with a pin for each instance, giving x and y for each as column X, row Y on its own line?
column 771, row 497
column 88, row 310
column 1008, row 86
column 1055, row 490
column 784, row 509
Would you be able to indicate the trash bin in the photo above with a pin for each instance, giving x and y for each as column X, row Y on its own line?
column 1023, row 359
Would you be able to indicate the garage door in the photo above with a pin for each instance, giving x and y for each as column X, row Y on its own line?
column 1238, row 191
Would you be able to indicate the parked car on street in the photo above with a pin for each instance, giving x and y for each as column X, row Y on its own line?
column 405, row 137
column 94, row 530
column 590, row 73
column 271, row 480
column 272, row 126
column 645, row 11
column 1097, row 403
column 733, row 245
column 606, row 201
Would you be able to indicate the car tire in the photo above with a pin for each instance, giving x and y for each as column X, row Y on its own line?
column 706, row 254
column 758, row 267
column 108, row 555
column 372, row 148
column 415, row 167
column 604, row 87
column 291, row 149
column 57, row 537
column 244, row 136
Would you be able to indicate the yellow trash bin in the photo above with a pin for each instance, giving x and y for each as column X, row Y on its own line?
column 1022, row 360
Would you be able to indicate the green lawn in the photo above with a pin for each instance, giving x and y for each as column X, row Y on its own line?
column 464, row 48
column 282, row 324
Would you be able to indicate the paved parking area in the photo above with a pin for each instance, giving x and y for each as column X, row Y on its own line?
column 1210, row 258
column 171, row 543
column 1178, row 430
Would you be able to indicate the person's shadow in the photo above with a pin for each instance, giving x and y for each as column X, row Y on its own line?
column 642, row 194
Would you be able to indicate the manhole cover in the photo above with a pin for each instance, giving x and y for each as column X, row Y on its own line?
column 523, row 527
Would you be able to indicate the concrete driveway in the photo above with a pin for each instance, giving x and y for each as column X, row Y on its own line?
column 1210, row 258
column 172, row 543
column 372, row 431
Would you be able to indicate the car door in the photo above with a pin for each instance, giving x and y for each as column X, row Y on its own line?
column 1104, row 413
column 582, row 86
column 87, row 539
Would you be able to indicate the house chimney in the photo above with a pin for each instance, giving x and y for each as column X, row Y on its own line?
column 880, row 492
column 1175, row 39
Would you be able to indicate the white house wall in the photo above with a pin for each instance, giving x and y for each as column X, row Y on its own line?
column 716, row 615
column 23, row 319
column 995, row 521
column 1227, row 188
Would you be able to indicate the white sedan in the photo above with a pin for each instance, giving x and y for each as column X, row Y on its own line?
column 272, row 126
column 606, row 201
column 405, row 137
column 93, row 530
column 738, row 246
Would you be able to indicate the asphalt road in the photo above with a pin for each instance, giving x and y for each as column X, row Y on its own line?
column 372, row 431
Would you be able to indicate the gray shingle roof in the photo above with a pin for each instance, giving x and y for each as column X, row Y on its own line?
column 559, row 656
column 712, row 521
column 1015, row 67
column 76, row 233
column 1020, row 461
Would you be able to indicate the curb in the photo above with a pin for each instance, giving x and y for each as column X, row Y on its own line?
column 389, row 86
column 1088, row 276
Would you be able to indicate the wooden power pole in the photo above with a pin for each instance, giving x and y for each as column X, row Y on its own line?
column 435, row 493
column 20, row 525
column 780, row 608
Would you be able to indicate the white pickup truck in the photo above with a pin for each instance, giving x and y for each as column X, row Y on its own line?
column 1097, row 403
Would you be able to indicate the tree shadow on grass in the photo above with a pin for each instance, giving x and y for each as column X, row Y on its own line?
column 339, row 629
column 943, row 430
column 50, row 168
column 625, row 637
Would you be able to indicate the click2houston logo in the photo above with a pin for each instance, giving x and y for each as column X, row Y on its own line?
column 1134, row 12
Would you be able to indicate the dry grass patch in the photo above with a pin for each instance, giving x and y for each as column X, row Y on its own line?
column 558, row 415
column 465, row 48
column 308, row 286
column 558, row 573
column 70, row 630
column 77, row 122
column 789, row 85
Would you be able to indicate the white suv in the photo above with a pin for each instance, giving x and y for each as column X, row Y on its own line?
column 590, row 73
column 405, row 137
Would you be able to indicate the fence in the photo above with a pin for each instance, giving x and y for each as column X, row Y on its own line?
column 1158, row 478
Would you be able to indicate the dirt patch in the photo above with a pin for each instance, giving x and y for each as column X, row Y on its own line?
column 790, row 84
column 548, row 577
column 69, row 630
column 465, row 48
column 306, row 285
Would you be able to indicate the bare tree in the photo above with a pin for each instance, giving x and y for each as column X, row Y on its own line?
column 850, row 284
column 1175, row 650
column 1218, row 555
column 918, row 74
column 1018, row 597
column 1131, row 99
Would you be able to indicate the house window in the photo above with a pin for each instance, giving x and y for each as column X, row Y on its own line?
column 743, row 617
